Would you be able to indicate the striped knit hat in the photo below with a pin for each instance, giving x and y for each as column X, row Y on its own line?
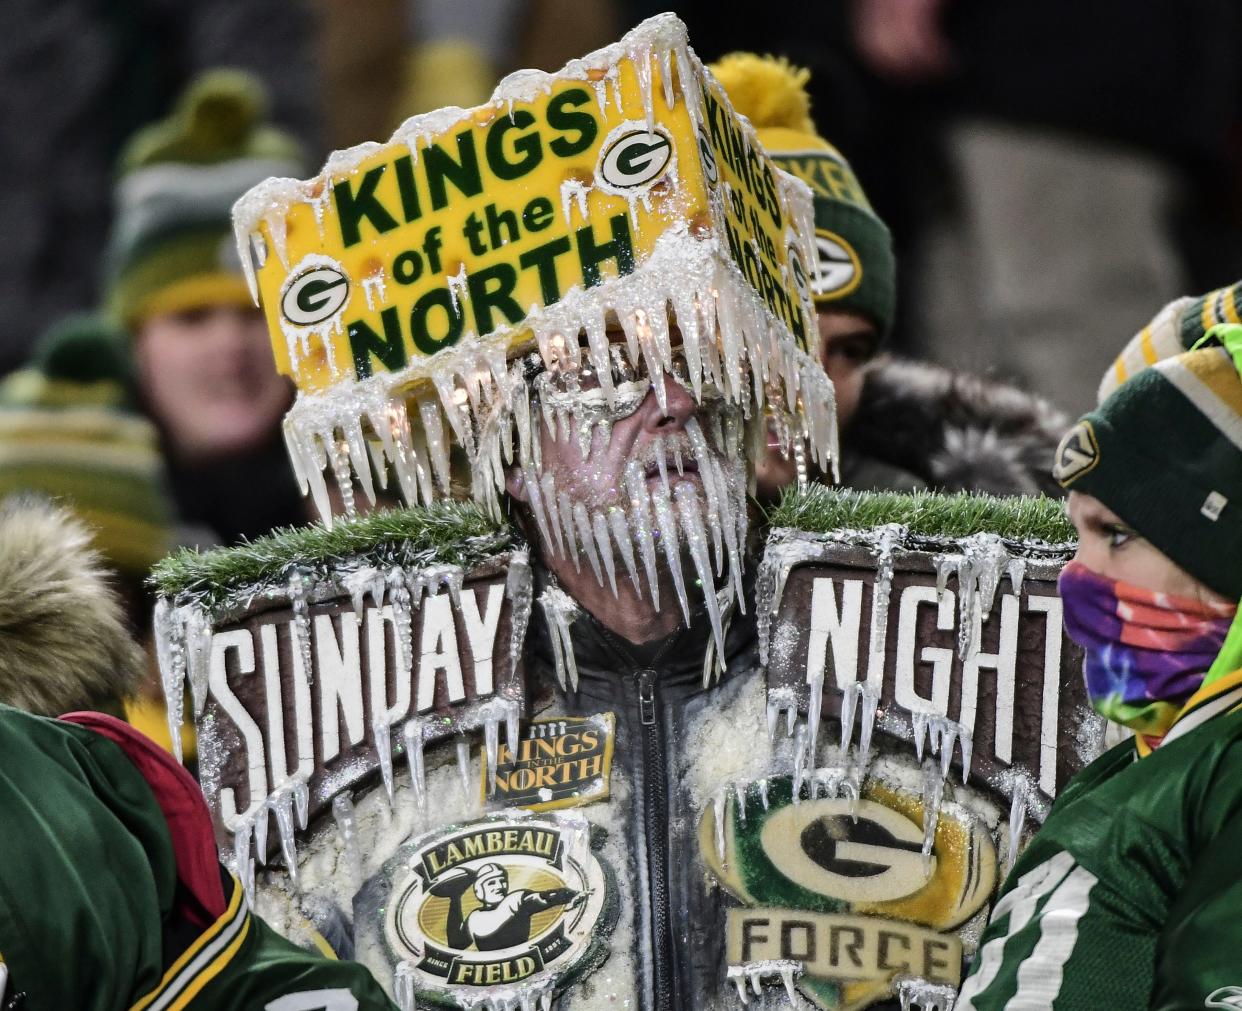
column 172, row 245
column 1164, row 452
column 67, row 432
column 1174, row 329
column 855, row 266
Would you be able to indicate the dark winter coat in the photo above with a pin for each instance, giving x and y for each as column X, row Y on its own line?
column 954, row 431
column 656, row 692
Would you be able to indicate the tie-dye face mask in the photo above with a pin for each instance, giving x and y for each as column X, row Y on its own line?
column 1147, row 652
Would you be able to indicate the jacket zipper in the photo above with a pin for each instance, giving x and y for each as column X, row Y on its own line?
column 656, row 804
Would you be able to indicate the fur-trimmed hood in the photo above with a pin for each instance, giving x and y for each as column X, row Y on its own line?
column 64, row 644
column 957, row 431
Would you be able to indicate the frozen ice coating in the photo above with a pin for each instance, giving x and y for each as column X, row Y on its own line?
column 575, row 216
column 917, row 994
column 750, row 977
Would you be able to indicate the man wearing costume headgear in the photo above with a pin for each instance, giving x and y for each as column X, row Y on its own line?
column 595, row 291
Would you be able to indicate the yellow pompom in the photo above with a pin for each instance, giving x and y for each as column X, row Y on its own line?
column 768, row 90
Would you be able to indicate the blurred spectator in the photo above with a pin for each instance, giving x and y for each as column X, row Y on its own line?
column 69, row 432
column 80, row 76
column 903, row 425
column 1076, row 132
column 203, row 359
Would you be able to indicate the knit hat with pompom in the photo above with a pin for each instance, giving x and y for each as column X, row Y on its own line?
column 855, row 267
column 172, row 245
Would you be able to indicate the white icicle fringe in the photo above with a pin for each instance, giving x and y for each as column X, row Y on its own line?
column 471, row 394
column 749, row 977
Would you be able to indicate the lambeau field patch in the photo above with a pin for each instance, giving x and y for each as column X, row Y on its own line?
column 512, row 902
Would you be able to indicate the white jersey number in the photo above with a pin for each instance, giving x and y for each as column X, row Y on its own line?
column 1066, row 887
column 315, row 1000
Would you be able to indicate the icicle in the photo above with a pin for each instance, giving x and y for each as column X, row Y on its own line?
column 534, row 492
column 548, row 487
column 403, row 986
column 667, row 526
column 713, row 490
column 198, row 654
column 870, row 698
column 623, row 538
column 491, row 744
column 560, row 609
column 347, row 826
column 781, row 700
column 661, row 463
column 688, row 507
column 981, row 565
column 1016, row 571
column 582, row 524
column 169, row 627
column 933, row 790
column 519, row 591
column 918, row 994
column 566, row 510
column 720, row 803
column 887, row 538
column 749, row 977
column 600, row 527
column 281, row 805
column 636, row 489
column 463, row 765
column 849, row 700
column 1017, row 819
column 299, row 604
column 412, row 734
column 243, row 862
column 799, row 774
column 382, row 731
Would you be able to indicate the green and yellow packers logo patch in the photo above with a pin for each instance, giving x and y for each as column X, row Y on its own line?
column 838, row 268
column 1078, row 453
column 844, row 889
column 563, row 761
column 504, row 901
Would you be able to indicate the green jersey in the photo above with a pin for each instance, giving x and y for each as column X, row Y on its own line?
column 100, row 864
column 1128, row 897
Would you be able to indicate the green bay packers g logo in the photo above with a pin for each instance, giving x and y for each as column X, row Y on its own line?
column 503, row 901
column 314, row 293
column 633, row 157
column 1078, row 453
column 838, row 270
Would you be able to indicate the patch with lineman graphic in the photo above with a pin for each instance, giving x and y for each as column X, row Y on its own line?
column 562, row 761
column 838, row 269
column 503, row 902
column 842, row 889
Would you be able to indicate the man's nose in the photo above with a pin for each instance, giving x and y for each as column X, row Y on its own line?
column 679, row 407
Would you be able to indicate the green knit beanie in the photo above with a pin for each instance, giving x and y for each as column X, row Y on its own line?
column 1164, row 452
column 68, row 431
column 855, row 266
column 172, row 243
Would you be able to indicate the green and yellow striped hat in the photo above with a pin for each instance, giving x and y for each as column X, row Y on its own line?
column 1177, row 327
column 172, row 245
column 68, row 432
column 1164, row 452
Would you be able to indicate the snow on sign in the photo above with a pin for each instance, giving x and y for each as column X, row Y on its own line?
column 306, row 700
column 925, row 687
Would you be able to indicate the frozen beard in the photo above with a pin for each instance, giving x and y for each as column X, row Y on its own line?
column 655, row 506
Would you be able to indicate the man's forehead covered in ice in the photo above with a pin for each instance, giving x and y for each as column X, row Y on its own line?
column 636, row 493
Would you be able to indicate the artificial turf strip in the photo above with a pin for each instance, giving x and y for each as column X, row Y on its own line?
column 822, row 509
column 447, row 533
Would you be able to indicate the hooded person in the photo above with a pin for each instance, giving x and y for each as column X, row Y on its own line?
column 593, row 291
column 202, row 363
column 1127, row 896
column 114, row 896
column 905, row 424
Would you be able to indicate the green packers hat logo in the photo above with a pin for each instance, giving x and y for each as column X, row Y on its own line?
column 1078, row 453
column 850, row 887
column 505, row 901
column 838, row 269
